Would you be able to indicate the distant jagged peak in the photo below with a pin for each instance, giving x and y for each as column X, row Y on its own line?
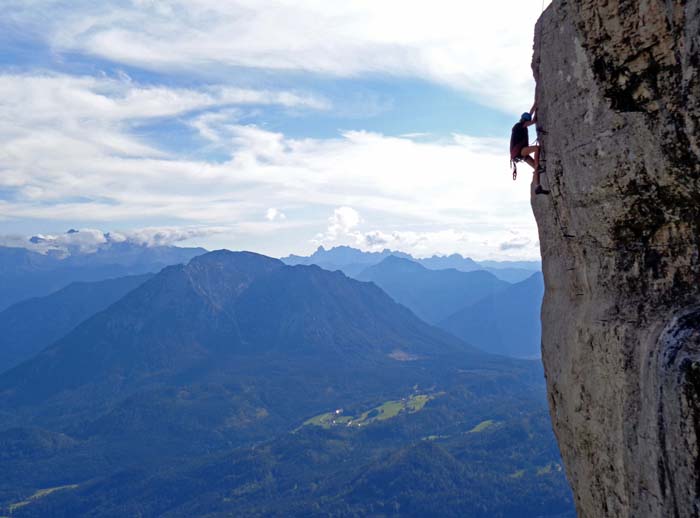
column 345, row 254
column 450, row 256
column 353, row 261
column 349, row 252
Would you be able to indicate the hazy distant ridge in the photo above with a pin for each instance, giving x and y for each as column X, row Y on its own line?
column 352, row 262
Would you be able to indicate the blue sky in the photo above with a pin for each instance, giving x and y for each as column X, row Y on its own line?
column 274, row 126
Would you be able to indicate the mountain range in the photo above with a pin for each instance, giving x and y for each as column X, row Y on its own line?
column 353, row 262
column 238, row 385
column 433, row 295
column 223, row 311
column 350, row 261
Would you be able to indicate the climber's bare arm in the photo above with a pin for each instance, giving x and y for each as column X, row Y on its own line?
column 534, row 115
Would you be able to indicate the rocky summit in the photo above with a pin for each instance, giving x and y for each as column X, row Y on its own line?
column 618, row 87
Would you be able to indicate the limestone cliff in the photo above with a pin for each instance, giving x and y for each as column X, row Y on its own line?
column 618, row 86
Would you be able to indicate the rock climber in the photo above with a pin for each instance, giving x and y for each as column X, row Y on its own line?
column 520, row 148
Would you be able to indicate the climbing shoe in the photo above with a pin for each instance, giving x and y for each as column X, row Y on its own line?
column 540, row 190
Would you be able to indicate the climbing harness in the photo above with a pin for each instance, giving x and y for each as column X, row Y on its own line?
column 515, row 159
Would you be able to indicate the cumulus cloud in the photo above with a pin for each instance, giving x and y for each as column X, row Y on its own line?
column 165, row 236
column 90, row 240
column 273, row 214
column 483, row 50
column 86, row 240
column 343, row 221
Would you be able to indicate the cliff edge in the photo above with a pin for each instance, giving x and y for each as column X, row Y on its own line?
column 618, row 87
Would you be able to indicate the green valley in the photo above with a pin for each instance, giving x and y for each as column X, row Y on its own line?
column 387, row 410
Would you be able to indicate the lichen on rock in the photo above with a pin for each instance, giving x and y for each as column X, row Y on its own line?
column 618, row 90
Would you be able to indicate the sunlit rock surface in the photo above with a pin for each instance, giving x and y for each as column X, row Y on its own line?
column 619, row 98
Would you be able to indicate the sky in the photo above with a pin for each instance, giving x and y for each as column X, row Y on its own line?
column 269, row 125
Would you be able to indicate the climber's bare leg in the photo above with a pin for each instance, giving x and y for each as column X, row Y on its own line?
column 533, row 162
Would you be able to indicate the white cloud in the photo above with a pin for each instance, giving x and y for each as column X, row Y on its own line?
column 85, row 240
column 71, row 153
column 483, row 49
column 40, row 99
column 273, row 214
column 343, row 221
column 164, row 236
column 89, row 240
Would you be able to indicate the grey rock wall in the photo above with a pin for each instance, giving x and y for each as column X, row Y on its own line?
column 618, row 86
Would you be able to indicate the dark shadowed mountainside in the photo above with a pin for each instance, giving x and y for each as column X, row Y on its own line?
column 238, row 386
column 433, row 295
column 224, row 310
column 506, row 323
column 29, row 326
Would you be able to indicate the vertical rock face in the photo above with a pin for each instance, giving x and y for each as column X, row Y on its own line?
column 618, row 86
